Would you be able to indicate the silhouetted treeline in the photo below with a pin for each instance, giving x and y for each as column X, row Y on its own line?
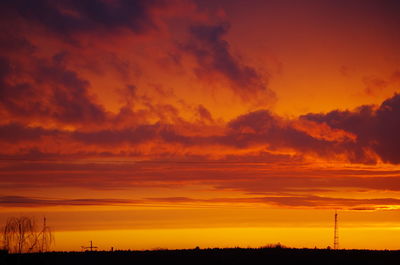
column 207, row 256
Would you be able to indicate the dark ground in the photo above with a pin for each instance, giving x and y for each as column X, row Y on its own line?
column 207, row 256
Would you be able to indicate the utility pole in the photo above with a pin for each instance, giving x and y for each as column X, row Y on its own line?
column 336, row 233
column 90, row 248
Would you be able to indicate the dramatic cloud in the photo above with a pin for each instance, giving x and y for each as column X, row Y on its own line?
column 50, row 92
column 213, row 54
column 259, row 129
column 15, row 132
column 262, row 127
column 376, row 128
column 68, row 17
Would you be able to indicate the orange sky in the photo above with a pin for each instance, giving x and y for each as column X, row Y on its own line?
column 173, row 124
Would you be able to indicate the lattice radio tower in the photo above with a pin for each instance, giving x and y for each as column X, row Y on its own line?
column 336, row 233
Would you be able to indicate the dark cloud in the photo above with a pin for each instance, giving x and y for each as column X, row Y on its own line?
column 18, row 97
column 263, row 128
column 293, row 201
column 264, row 157
column 36, row 153
column 246, row 177
column 70, row 96
column 366, row 132
column 376, row 128
column 319, row 201
column 21, row 201
column 306, row 181
column 204, row 113
column 255, row 129
column 137, row 135
column 51, row 91
column 213, row 55
column 134, row 135
column 173, row 199
column 15, row 132
column 67, row 17
column 285, row 200
column 11, row 42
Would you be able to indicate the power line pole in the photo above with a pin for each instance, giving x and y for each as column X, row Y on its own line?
column 336, row 233
column 90, row 248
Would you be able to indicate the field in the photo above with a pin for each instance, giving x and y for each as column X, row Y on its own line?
column 207, row 256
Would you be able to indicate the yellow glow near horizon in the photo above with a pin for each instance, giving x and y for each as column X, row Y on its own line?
column 297, row 237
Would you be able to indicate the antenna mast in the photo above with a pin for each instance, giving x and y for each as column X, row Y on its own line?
column 336, row 233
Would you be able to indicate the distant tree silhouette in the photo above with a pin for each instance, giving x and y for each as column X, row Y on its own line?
column 22, row 235
column 277, row 246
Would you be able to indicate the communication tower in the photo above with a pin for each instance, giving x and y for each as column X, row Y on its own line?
column 336, row 233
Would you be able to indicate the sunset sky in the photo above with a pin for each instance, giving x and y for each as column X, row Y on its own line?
column 179, row 123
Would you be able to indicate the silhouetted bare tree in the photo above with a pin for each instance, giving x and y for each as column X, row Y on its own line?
column 22, row 235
